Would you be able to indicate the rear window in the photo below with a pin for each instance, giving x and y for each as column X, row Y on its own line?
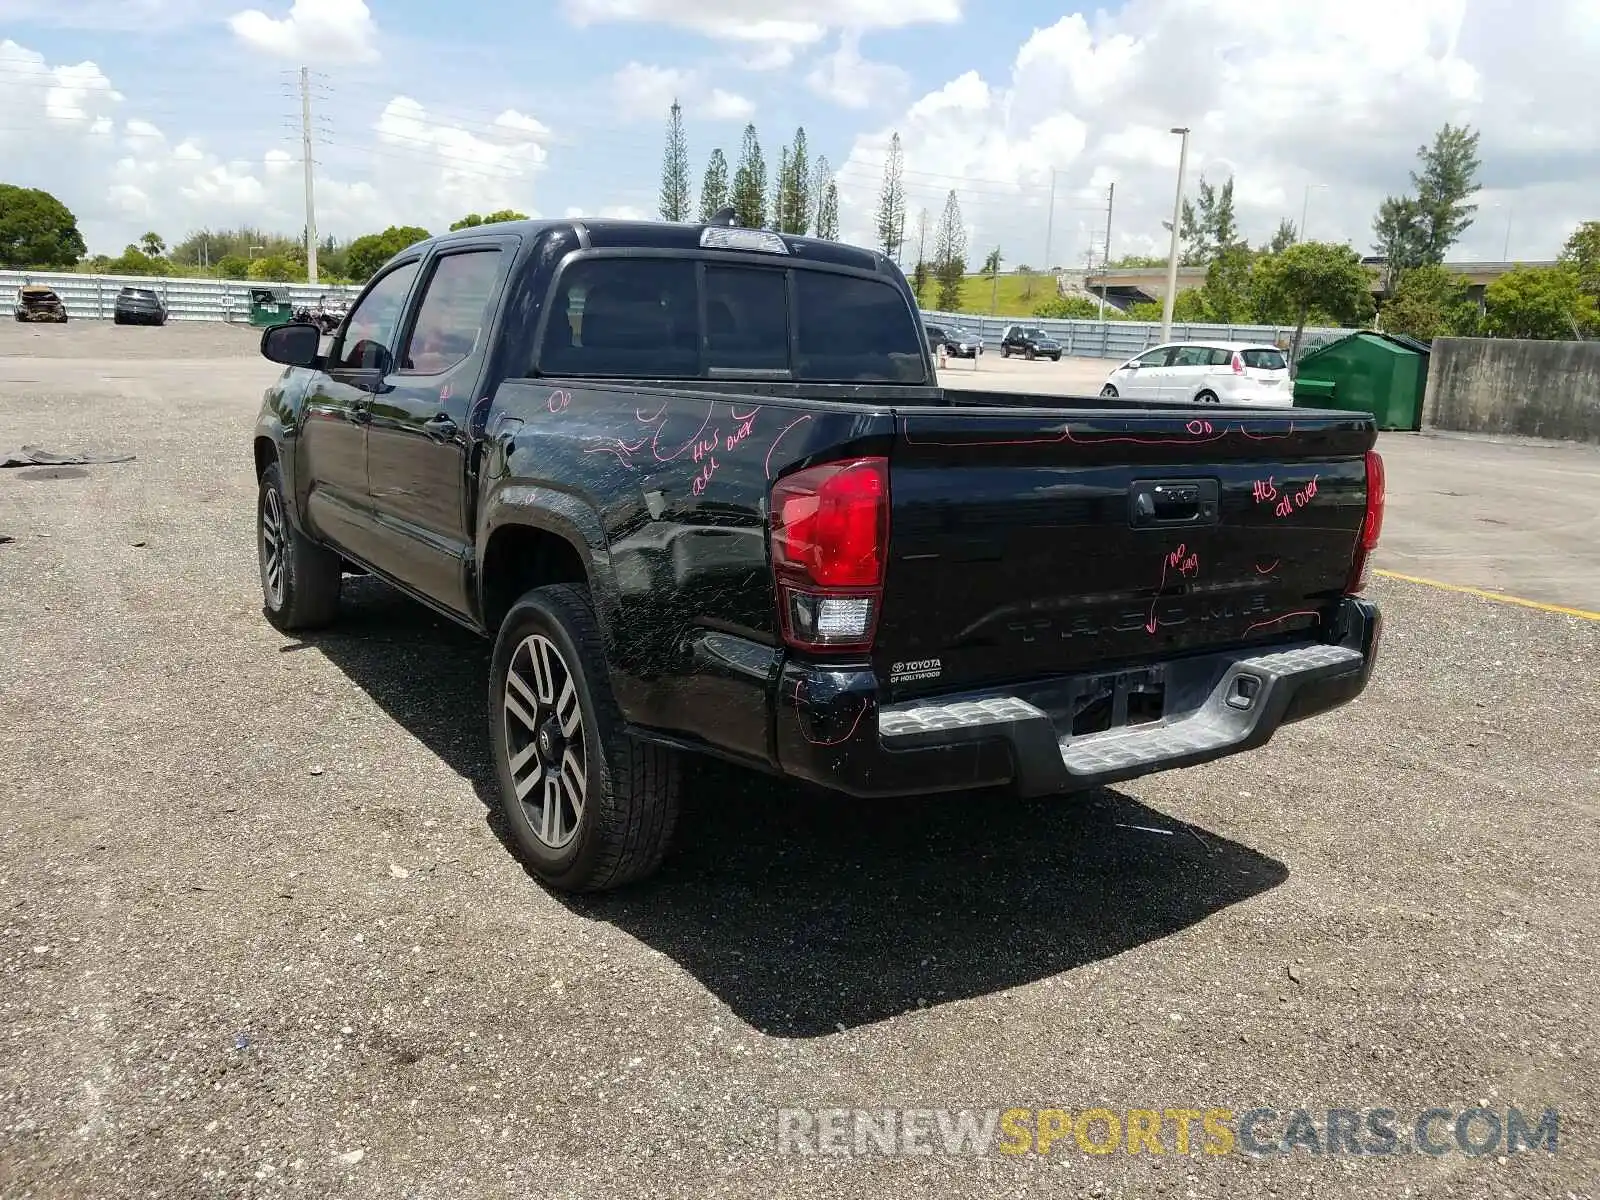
column 644, row 317
column 1265, row 360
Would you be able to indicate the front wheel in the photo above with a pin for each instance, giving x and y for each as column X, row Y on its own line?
column 1055, row 358
column 1029, row 354
column 1207, row 397
column 1109, row 390
column 590, row 807
column 1005, row 351
column 299, row 579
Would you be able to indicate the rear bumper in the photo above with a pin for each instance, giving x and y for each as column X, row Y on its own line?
column 47, row 316
column 832, row 731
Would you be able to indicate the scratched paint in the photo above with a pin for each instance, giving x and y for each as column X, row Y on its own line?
column 1182, row 560
column 1197, row 432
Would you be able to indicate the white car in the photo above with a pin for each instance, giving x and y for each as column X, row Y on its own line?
column 1206, row 373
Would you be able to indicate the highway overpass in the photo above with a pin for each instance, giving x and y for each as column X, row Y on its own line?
column 1130, row 285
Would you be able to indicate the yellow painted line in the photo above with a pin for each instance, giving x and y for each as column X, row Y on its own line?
column 1500, row 596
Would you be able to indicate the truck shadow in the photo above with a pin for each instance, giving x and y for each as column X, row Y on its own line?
column 806, row 912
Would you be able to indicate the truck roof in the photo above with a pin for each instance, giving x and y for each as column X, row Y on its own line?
column 613, row 233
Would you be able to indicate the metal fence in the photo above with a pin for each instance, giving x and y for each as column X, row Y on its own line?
column 92, row 297
column 1124, row 339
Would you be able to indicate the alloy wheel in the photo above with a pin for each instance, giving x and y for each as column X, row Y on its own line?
column 545, row 740
column 273, row 533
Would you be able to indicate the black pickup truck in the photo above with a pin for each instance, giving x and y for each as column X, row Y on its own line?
column 701, row 487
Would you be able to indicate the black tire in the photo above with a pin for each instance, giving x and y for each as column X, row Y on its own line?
column 1005, row 351
column 630, row 788
column 1055, row 358
column 1110, row 389
column 1028, row 353
column 300, row 585
column 116, row 319
column 1207, row 397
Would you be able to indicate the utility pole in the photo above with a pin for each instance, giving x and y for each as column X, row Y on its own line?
column 1105, row 261
column 1172, row 253
column 305, row 151
column 1049, row 222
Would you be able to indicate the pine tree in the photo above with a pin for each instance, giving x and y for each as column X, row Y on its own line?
column 828, row 213
column 782, row 192
column 714, row 188
column 675, row 169
column 749, row 196
column 923, row 272
column 892, row 201
column 821, row 175
column 950, row 254
column 798, row 207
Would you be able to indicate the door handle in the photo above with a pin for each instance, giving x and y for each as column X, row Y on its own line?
column 1174, row 502
column 440, row 427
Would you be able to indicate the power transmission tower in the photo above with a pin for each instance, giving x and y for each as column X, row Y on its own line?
column 305, row 151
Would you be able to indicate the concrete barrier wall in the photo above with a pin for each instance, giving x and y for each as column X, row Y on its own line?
column 1534, row 389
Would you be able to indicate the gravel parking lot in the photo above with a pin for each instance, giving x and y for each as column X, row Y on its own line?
column 260, row 936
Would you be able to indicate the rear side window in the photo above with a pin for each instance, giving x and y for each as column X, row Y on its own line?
column 854, row 330
column 1221, row 357
column 1265, row 360
column 680, row 319
column 625, row 316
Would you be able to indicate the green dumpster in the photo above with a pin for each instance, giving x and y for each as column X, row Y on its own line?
column 270, row 306
column 1384, row 374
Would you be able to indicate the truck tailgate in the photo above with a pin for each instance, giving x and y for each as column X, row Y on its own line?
column 1029, row 543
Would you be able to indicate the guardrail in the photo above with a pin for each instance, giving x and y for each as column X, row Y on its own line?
column 1124, row 339
column 92, row 297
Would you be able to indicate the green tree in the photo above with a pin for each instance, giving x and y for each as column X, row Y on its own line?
column 750, row 183
column 950, row 254
column 891, row 215
column 675, row 169
column 1449, row 175
column 134, row 261
column 714, row 187
column 1078, row 308
column 921, row 274
column 1399, row 238
column 37, row 230
column 277, row 268
column 206, row 248
column 828, row 213
column 782, row 192
column 1539, row 302
column 154, row 245
column 821, row 176
column 1282, row 238
column 369, row 253
column 1314, row 277
column 1208, row 226
column 1582, row 252
column 470, row 221
column 991, row 263
column 1129, row 262
column 1430, row 302
column 1226, row 292
column 797, row 201
column 1187, row 307
column 234, row 266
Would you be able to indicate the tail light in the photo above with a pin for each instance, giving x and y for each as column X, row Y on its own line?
column 1238, row 364
column 830, row 544
column 1371, row 525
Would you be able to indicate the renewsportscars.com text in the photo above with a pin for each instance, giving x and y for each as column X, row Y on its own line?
column 1259, row 1132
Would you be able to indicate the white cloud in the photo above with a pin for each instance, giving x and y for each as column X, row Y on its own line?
column 1281, row 94
column 767, row 23
column 340, row 31
column 852, row 81
column 65, row 131
column 620, row 212
column 646, row 92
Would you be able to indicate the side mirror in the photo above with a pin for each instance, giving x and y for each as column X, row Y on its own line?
column 296, row 344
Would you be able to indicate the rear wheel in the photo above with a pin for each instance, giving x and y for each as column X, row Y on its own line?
column 1005, row 351
column 1029, row 354
column 589, row 807
column 1207, row 397
column 1109, row 390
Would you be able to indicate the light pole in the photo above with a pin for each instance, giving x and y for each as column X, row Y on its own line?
column 1172, row 253
column 1505, row 251
column 1300, row 234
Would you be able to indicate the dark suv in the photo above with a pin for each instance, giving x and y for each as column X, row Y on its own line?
column 139, row 306
column 1030, row 342
column 957, row 342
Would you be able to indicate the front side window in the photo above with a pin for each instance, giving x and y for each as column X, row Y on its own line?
column 369, row 335
column 1191, row 356
column 1155, row 358
column 454, row 310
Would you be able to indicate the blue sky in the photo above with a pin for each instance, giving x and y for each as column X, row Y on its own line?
column 175, row 114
